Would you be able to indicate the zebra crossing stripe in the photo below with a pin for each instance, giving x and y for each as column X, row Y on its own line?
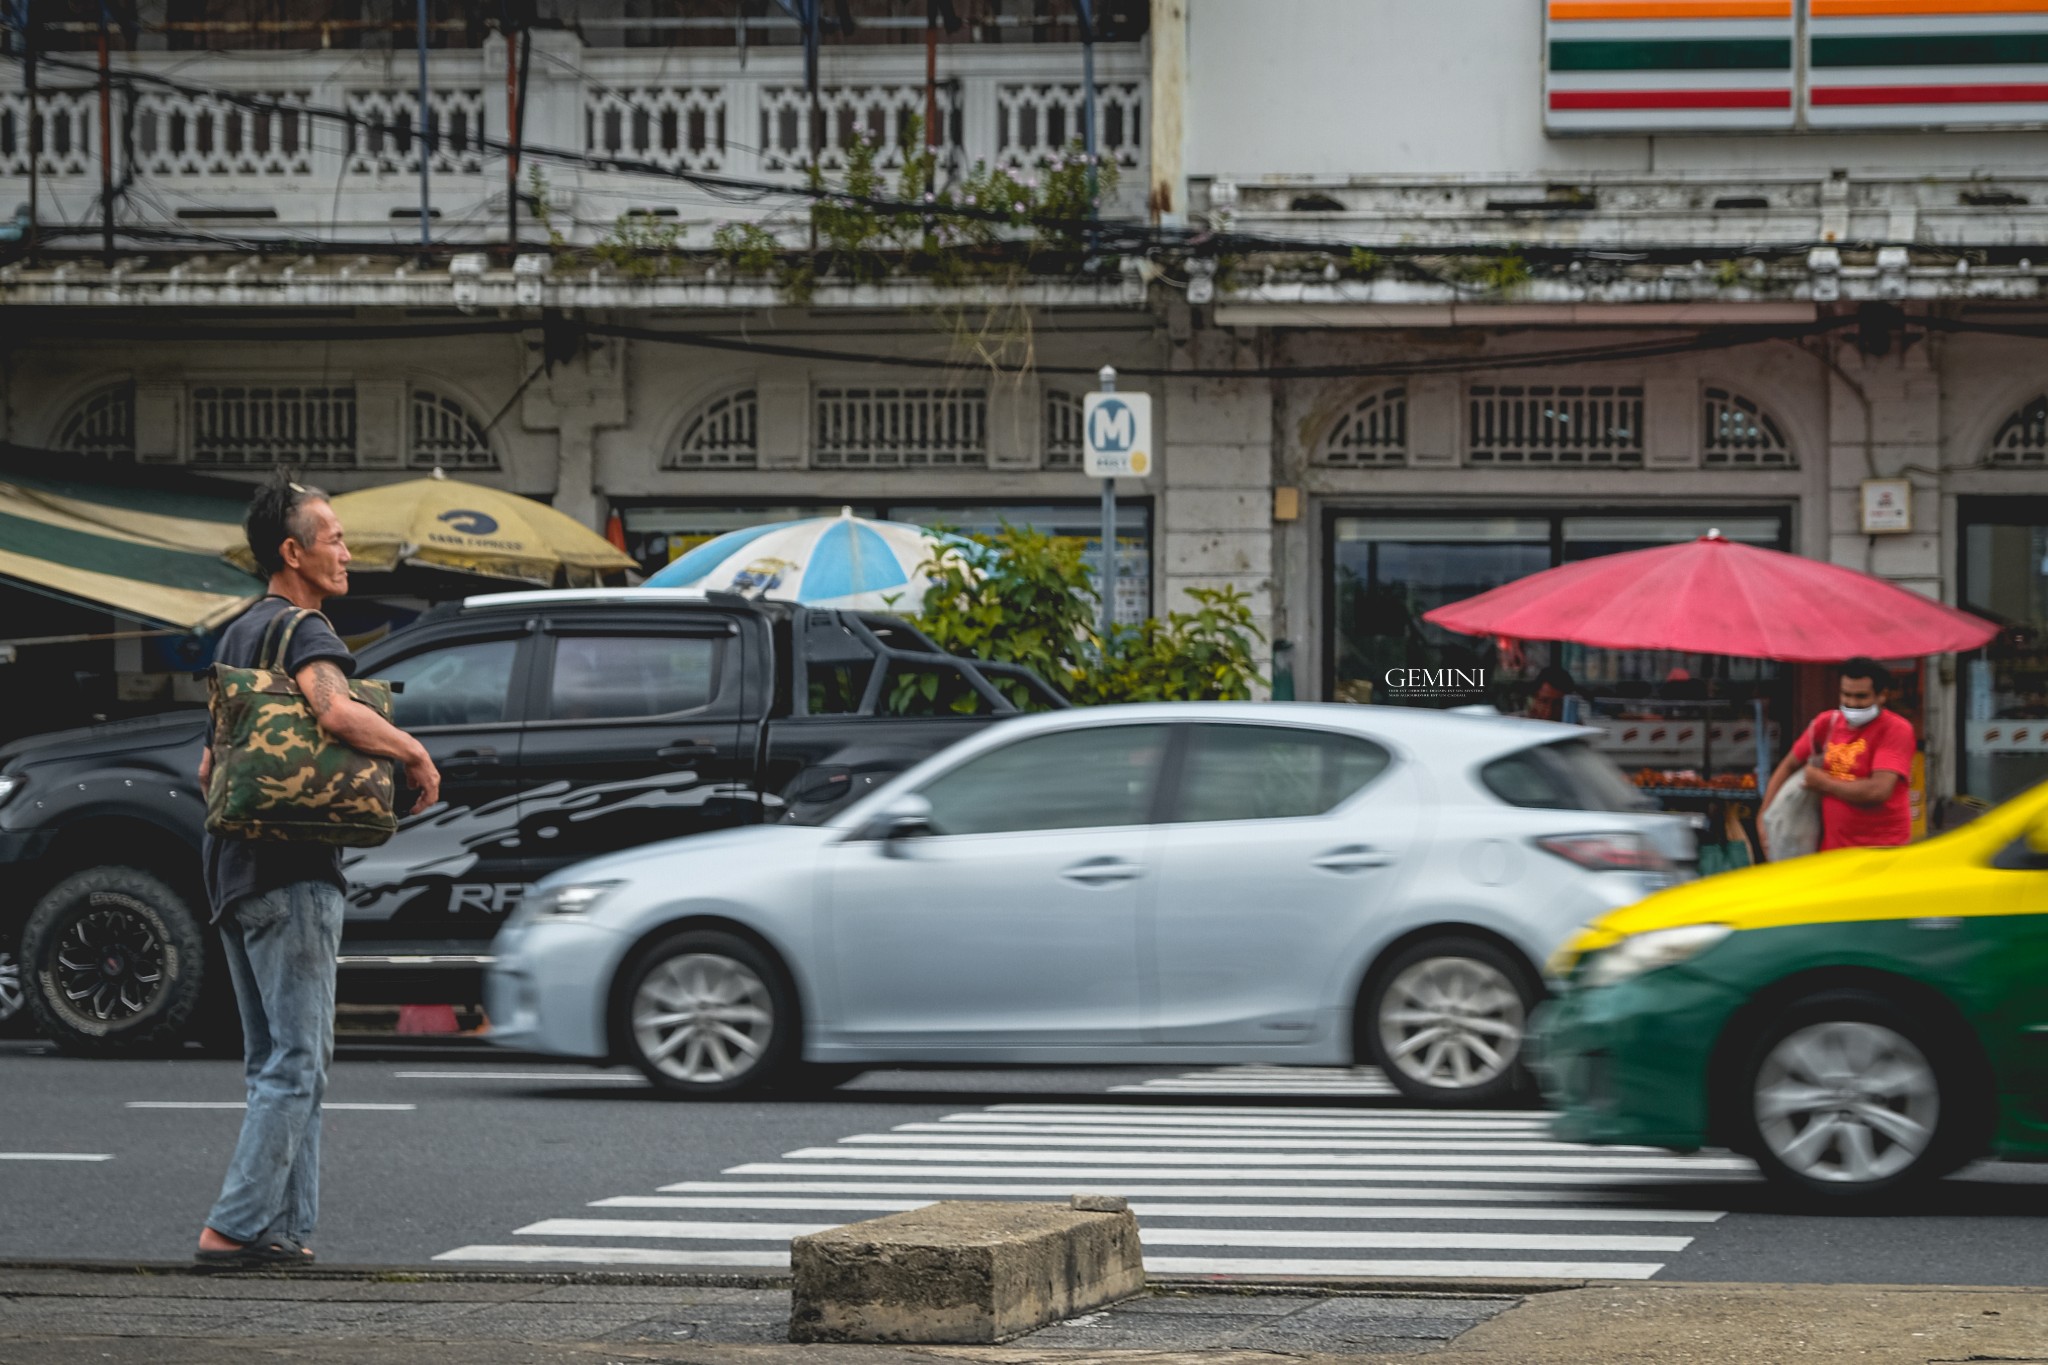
column 1147, row 1209
column 1218, row 1188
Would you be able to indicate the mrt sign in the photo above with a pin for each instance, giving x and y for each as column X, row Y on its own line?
column 1116, row 434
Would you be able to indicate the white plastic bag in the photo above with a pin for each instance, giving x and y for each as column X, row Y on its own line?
column 1791, row 823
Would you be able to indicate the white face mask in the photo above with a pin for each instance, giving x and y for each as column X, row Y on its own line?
column 1860, row 715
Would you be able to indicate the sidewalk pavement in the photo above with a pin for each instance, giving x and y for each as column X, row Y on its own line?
column 169, row 1315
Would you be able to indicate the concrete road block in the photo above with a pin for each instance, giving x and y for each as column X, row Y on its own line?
column 963, row 1273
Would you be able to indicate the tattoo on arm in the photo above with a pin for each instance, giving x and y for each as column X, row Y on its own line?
column 328, row 687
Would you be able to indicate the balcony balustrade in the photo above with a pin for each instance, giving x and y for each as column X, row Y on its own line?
column 203, row 164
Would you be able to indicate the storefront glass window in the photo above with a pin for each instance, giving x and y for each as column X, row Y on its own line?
column 1388, row 571
column 2005, row 686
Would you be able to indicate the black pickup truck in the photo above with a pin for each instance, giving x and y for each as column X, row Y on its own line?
column 565, row 724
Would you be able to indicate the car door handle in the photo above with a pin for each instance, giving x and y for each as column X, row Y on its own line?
column 1103, row 871
column 686, row 751
column 1355, row 858
column 470, row 761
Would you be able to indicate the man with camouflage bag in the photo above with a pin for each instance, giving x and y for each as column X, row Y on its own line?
column 273, row 863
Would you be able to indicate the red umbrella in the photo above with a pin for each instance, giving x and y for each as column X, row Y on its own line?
column 1714, row 596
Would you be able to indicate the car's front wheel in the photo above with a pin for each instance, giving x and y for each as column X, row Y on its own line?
column 115, row 961
column 704, row 1012
column 1446, row 1021
column 1848, row 1096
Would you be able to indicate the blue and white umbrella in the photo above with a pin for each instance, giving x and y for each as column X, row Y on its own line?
column 843, row 561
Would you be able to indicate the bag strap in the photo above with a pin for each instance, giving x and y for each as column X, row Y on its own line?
column 277, row 646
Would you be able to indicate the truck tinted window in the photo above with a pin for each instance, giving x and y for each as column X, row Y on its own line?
column 466, row 684
column 611, row 677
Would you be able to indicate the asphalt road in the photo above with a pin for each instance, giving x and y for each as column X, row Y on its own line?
column 461, row 1155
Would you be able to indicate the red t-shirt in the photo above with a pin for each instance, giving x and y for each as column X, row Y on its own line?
column 1883, row 746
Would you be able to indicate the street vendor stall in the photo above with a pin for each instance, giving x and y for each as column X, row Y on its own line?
column 1712, row 596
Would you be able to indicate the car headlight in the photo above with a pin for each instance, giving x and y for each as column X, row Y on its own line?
column 576, row 898
column 1647, row 952
column 8, row 786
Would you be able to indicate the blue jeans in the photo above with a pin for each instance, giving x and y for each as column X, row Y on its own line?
column 281, row 949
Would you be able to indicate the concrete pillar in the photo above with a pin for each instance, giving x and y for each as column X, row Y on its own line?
column 1216, row 506
column 1166, row 196
column 582, row 394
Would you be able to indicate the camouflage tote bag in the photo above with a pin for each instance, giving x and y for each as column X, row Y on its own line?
column 276, row 773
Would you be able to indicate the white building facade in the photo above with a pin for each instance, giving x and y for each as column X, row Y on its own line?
column 1614, row 275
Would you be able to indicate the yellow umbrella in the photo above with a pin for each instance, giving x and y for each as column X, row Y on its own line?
column 444, row 523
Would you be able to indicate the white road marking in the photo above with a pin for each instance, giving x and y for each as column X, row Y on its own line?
column 763, row 1259
column 1146, row 1209
column 1504, row 1270
column 1730, row 1168
column 1230, row 1189
column 1246, row 1192
column 243, row 1104
column 939, row 1133
column 593, row 1077
column 56, row 1156
column 1570, row 1158
column 1292, row 1238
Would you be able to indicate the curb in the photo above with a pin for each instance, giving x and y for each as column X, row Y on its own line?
column 1220, row 1285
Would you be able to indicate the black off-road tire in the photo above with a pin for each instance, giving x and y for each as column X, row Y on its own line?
column 16, row 1018
column 115, row 961
column 762, row 985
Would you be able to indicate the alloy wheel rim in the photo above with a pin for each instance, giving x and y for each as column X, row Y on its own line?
column 110, row 965
column 1452, row 1022
column 703, row 1018
column 13, row 995
column 1846, row 1102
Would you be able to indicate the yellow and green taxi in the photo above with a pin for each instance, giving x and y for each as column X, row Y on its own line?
column 1854, row 1021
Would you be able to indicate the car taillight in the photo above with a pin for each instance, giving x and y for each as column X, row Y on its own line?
column 1607, row 852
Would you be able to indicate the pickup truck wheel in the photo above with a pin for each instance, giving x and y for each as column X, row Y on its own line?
column 706, row 1013
column 116, row 961
column 15, row 1018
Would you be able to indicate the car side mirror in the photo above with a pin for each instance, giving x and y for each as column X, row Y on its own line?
column 907, row 817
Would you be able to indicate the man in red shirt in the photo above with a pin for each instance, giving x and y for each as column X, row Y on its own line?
column 1858, row 757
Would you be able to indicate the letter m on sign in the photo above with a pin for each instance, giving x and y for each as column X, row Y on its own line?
column 1117, row 435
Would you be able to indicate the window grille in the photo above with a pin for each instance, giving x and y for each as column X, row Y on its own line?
column 892, row 428
column 1741, row 435
column 242, row 426
column 1064, row 446
column 725, row 434
column 2023, row 441
column 1374, row 432
column 1556, row 424
column 103, row 426
column 446, row 436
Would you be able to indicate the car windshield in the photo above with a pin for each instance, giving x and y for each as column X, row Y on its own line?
column 1565, row 775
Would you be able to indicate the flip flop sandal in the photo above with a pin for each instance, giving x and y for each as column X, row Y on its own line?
column 270, row 1253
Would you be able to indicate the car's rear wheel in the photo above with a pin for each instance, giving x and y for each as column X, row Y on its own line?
column 1849, row 1096
column 1445, row 1020
column 704, row 1012
column 115, row 961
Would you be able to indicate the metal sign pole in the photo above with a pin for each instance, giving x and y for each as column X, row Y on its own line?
column 1106, row 609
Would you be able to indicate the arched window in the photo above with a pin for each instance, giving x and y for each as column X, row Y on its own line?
column 103, row 425
column 1374, row 432
column 2022, row 443
column 723, row 435
column 1063, row 443
column 445, row 435
column 1741, row 435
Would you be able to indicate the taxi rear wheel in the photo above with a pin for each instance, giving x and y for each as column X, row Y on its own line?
column 1850, row 1096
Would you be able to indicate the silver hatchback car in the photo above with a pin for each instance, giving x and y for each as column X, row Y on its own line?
column 1175, row 883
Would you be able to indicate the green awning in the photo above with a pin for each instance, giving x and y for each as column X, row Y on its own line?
column 142, row 544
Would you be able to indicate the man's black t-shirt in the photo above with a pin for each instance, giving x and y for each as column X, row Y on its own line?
column 236, row 868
